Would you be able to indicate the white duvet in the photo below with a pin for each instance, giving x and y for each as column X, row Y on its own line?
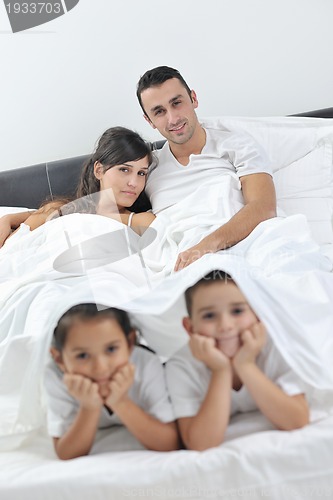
column 92, row 258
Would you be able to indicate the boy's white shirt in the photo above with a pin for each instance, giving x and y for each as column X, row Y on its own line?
column 188, row 380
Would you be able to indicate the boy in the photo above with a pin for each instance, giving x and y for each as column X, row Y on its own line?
column 228, row 366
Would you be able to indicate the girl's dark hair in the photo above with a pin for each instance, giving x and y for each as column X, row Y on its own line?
column 88, row 311
column 155, row 77
column 207, row 280
column 116, row 146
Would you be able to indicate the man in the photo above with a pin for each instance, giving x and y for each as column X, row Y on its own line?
column 194, row 154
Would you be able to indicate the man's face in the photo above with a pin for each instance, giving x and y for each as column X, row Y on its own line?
column 170, row 110
column 221, row 311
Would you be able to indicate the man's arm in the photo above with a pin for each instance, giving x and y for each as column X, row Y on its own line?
column 260, row 204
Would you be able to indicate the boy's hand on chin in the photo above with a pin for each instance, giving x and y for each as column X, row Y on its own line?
column 253, row 340
column 204, row 349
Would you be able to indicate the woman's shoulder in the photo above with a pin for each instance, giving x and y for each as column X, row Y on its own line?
column 140, row 222
column 143, row 218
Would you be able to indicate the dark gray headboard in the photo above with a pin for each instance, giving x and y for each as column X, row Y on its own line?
column 30, row 186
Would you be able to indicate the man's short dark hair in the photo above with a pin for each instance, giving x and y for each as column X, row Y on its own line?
column 209, row 279
column 157, row 76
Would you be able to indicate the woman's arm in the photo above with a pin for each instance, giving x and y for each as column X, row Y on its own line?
column 10, row 222
column 40, row 216
column 141, row 221
column 34, row 218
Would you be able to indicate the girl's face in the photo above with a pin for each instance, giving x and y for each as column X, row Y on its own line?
column 221, row 311
column 124, row 182
column 96, row 349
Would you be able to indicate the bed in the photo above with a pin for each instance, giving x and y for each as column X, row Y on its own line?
column 256, row 461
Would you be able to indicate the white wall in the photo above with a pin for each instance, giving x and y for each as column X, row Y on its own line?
column 64, row 82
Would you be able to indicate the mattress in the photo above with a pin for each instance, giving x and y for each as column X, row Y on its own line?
column 255, row 462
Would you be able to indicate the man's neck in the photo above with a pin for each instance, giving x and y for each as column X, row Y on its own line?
column 193, row 146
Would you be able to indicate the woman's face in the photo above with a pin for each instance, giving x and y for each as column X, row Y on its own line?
column 124, row 182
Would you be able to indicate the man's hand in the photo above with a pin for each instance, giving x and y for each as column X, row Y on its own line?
column 206, row 245
column 119, row 385
column 84, row 391
column 204, row 349
column 252, row 341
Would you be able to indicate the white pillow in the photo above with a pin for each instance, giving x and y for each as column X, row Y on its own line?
column 300, row 152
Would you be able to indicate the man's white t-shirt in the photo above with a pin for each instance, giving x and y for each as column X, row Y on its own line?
column 188, row 381
column 224, row 152
column 148, row 391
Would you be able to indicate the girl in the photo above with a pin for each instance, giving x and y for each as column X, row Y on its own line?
column 99, row 378
column 111, row 182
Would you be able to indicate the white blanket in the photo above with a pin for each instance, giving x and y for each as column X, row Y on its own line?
column 80, row 258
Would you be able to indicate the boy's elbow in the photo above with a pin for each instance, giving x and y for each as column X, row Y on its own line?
column 297, row 421
column 202, row 443
column 301, row 421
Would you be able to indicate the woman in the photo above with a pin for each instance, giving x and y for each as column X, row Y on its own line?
column 111, row 182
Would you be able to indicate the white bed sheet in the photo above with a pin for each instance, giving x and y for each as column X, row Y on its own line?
column 256, row 462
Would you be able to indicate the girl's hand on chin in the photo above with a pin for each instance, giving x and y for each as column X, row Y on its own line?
column 119, row 385
column 84, row 390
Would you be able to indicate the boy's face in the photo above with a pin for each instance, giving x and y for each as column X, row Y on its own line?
column 220, row 310
column 95, row 348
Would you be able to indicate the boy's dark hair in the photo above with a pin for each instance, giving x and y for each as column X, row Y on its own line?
column 88, row 311
column 207, row 280
column 157, row 76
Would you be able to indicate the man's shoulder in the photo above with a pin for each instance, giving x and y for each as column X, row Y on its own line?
column 163, row 151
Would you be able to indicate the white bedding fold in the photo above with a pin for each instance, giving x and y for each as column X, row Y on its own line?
column 80, row 258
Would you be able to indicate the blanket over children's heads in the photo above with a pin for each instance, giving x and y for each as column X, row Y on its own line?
column 65, row 262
